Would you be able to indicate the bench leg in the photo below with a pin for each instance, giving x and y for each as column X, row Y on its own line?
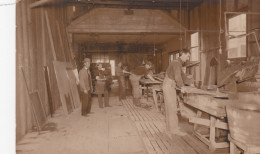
column 212, row 133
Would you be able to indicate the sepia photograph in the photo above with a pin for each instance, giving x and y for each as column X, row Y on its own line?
column 135, row 76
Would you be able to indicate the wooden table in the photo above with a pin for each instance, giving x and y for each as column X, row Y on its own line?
column 215, row 108
column 148, row 82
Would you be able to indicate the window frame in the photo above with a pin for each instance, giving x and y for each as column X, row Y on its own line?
column 193, row 47
column 246, row 41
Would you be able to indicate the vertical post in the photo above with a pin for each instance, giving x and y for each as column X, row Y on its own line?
column 212, row 133
column 199, row 113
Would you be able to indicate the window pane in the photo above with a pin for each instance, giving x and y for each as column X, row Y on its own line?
column 112, row 64
column 237, row 46
column 194, row 54
column 195, row 39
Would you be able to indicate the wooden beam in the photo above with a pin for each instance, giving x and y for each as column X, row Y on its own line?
column 60, row 38
column 43, row 38
column 40, row 3
column 117, row 31
column 50, row 35
column 206, row 122
column 164, row 5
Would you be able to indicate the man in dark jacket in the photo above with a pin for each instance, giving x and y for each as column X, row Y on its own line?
column 175, row 78
column 85, row 87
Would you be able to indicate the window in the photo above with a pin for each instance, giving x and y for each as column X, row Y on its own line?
column 237, row 45
column 173, row 56
column 100, row 58
column 194, row 47
column 112, row 64
column 104, row 58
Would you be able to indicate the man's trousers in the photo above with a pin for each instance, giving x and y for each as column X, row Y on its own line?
column 170, row 100
column 86, row 103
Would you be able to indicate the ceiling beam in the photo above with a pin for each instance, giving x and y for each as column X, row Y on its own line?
column 131, row 33
column 40, row 3
column 164, row 5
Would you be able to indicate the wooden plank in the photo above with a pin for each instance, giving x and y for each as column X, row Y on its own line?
column 32, row 107
column 60, row 39
column 158, row 133
column 158, row 138
column 202, row 138
column 50, row 35
column 145, row 139
column 198, row 146
column 40, row 3
column 212, row 133
column 198, row 115
column 73, row 88
column 43, row 38
column 206, row 122
column 48, row 86
column 142, row 114
column 221, row 145
column 129, row 111
column 185, row 148
column 38, row 107
column 63, row 84
column 132, row 111
column 148, row 146
column 174, row 148
column 151, row 138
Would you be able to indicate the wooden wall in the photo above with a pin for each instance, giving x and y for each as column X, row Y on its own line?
column 40, row 38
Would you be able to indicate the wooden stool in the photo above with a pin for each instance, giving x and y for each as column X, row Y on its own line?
column 248, row 149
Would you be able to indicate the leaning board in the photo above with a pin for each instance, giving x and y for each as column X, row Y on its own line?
column 37, row 105
column 62, row 79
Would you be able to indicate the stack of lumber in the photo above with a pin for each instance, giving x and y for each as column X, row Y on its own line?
column 67, row 87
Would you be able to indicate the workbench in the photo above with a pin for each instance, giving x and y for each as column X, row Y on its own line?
column 148, row 83
column 215, row 108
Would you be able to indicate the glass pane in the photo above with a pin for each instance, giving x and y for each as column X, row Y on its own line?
column 194, row 54
column 237, row 46
column 195, row 39
column 112, row 64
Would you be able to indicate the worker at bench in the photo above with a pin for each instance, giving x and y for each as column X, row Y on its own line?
column 175, row 78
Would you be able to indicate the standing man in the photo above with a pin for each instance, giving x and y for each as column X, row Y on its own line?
column 101, row 87
column 175, row 78
column 121, row 81
column 135, row 77
column 85, row 84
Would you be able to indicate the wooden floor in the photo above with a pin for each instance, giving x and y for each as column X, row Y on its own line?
column 120, row 129
column 151, row 127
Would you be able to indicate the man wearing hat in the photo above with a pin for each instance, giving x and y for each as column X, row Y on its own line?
column 135, row 77
column 85, row 84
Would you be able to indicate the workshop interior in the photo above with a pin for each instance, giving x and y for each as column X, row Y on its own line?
column 137, row 76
